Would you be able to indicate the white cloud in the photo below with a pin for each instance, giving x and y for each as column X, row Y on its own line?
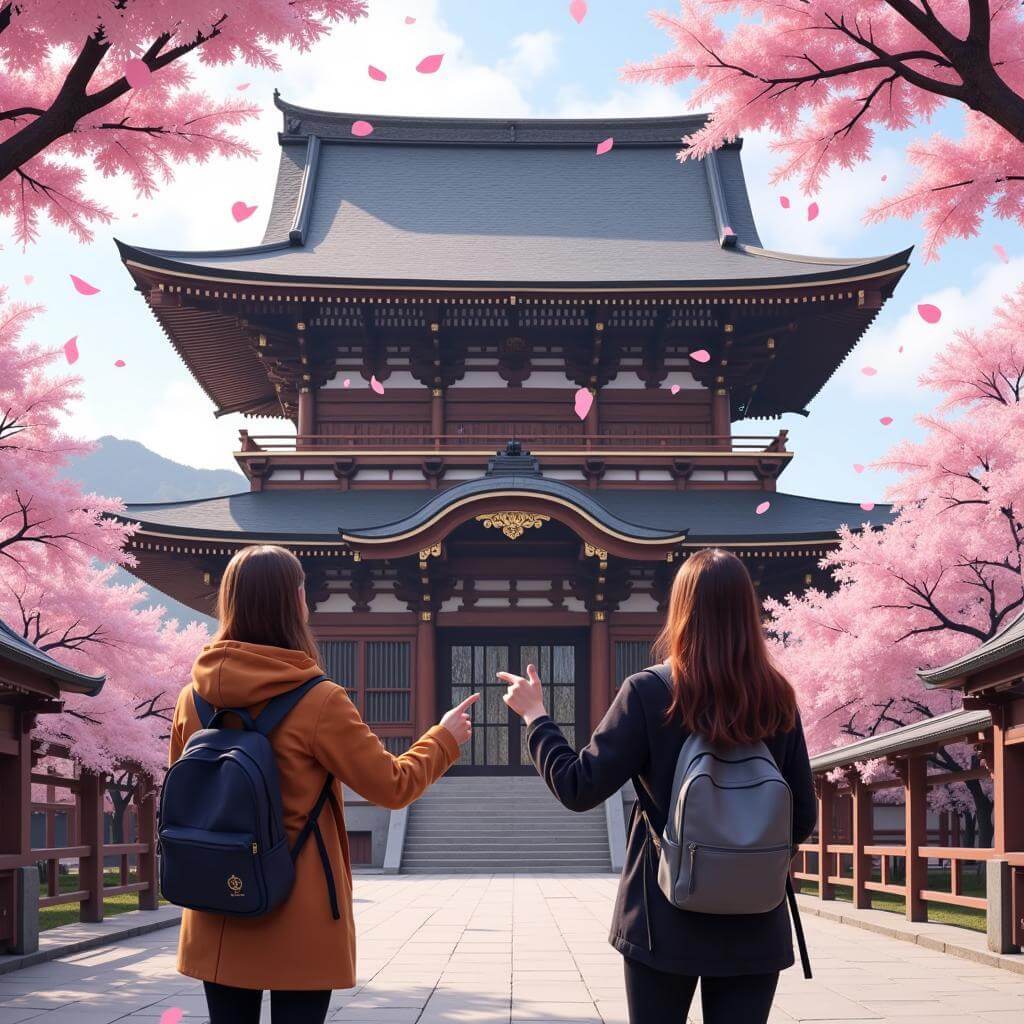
column 533, row 54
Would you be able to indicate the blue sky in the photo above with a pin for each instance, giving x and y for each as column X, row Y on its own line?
column 521, row 59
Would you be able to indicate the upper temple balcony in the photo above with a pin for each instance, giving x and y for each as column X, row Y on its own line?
column 382, row 457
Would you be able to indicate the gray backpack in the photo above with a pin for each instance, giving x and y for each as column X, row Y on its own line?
column 728, row 841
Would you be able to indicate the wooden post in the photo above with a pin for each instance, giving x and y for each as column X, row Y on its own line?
column 145, row 796
column 600, row 675
column 90, row 868
column 1007, row 785
column 721, row 415
column 915, row 795
column 592, row 422
column 863, row 820
column 426, row 672
column 826, row 804
column 307, row 416
column 15, row 787
column 437, row 415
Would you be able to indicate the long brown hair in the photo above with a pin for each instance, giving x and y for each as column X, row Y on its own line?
column 259, row 601
column 726, row 687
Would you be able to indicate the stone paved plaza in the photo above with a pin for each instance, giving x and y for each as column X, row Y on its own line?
column 487, row 950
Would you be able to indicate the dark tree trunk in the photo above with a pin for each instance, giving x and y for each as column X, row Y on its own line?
column 983, row 805
column 970, row 828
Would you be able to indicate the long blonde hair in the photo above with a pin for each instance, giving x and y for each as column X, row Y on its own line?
column 260, row 602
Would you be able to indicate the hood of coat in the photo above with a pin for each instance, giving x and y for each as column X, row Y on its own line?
column 230, row 674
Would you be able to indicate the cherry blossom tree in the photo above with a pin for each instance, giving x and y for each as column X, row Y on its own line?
column 943, row 576
column 824, row 75
column 59, row 550
column 94, row 81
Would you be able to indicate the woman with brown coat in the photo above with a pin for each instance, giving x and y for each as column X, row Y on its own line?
column 264, row 648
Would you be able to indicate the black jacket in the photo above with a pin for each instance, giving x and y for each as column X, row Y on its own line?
column 634, row 742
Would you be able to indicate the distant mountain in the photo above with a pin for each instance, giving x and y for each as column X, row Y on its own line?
column 128, row 470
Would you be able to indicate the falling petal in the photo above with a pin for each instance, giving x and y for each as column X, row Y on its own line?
column 137, row 73
column 376, row 385
column 674, row 389
column 71, row 350
column 900, row 349
column 868, row 371
column 858, row 468
column 885, row 177
column 361, row 128
column 867, row 505
column 346, row 383
column 784, row 202
column 578, row 10
column 885, row 421
column 376, row 74
column 119, row 362
column 929, row 314
column 1000, row 252
column 410, row 20
column 172, row 1016
column 605, row 146
column 812, row 211
column 430, row 64
column 700, row 355
column 241, row 212
column 582, row 402
column 28, row 278
column 83, row 287
column 242, row 86
column 763, row 507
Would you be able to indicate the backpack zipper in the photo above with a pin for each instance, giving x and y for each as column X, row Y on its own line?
column 692, row 848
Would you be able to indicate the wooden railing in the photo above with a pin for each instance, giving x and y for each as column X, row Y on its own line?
column 134, row 863
column 536, row 442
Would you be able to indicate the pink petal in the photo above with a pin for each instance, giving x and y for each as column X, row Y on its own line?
column 172, row 1016
column 83, row 287
column 674, row 389
column 885, row 421
column 867, row 505
column 578, row 10
column 376, row 385
column 1001, row 253
column 868, row 371
column 137, row 73
column 582, row 402
column 605, row 146
column 346, row 383
column 29, row 278
column 241, row 212
column 763, row 507
column 784, row 202
column 430, row 64
column 376, row 74
column 361, row 129
column 900, row 349
column 885, row 177
column 242, row 86
column 858, row 468
column 410, row 21
column 119, row 362
column 700, row 355
column 812, row 211
column 929, row 314
column 71, row 350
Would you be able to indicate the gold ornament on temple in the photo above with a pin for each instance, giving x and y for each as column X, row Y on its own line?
column 513, row 524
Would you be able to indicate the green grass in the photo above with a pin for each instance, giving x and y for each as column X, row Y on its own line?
column 69, row 913
column 938, row 913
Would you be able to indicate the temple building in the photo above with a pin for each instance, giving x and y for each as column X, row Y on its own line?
column 419, row 321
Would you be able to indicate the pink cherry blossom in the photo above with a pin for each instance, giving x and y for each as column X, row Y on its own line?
column 605, row 146
column 376, row 74
column 347, row 382
column 928, row 313
column 700, row 355
column 784, row 202
column 430, row 64
column 582, row 401
column 240, row 211
column 812, row 211
column 868, row 371
column 376, row 386
column 119, row 362
column 1000, row 252
column 83, row 287
column 361, row 129
column 172, row 1016
column 885, row 421
column 674, row 389
column 762, row 508
column 578, row 10
column 858, row 468
column 28, row 278
column 71, row 350
column 242, row 86
column 867, row 505
column 409, row 20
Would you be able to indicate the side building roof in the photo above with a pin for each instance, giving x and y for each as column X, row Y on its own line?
column 15, row 648
column 1005, row 644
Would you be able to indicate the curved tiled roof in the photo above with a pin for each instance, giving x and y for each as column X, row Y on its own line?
column 1004, row 644
column 14, row 647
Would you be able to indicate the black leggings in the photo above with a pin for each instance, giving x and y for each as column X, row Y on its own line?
column 230, row 1005
column 655, row 997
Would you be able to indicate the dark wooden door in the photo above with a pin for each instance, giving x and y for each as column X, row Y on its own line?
column 469, row 661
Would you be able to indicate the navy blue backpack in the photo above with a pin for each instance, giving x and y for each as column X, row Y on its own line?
column 223, row 847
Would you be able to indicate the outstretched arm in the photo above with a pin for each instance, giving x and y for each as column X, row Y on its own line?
column 616, row 752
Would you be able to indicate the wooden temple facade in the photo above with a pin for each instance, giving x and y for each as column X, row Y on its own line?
column 426, row 305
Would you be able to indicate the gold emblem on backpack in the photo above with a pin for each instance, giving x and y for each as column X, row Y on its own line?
column 235, row 885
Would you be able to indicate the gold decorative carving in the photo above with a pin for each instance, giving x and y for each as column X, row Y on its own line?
column 594, row 552
column 434, row 551
column 513, row 524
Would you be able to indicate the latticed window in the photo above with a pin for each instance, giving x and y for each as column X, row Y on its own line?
column 340, row 663
column 631, row 656
column 388, row 680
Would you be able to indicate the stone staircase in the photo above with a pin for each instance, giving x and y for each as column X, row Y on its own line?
column 495, row 824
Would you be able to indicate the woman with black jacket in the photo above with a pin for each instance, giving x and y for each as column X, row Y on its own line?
column 727, row 689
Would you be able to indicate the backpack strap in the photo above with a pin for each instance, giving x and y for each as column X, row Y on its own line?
column 278, row 707
column 794, row 910
column 312, row 828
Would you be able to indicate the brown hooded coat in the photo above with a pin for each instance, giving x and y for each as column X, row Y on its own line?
column 298, row 945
